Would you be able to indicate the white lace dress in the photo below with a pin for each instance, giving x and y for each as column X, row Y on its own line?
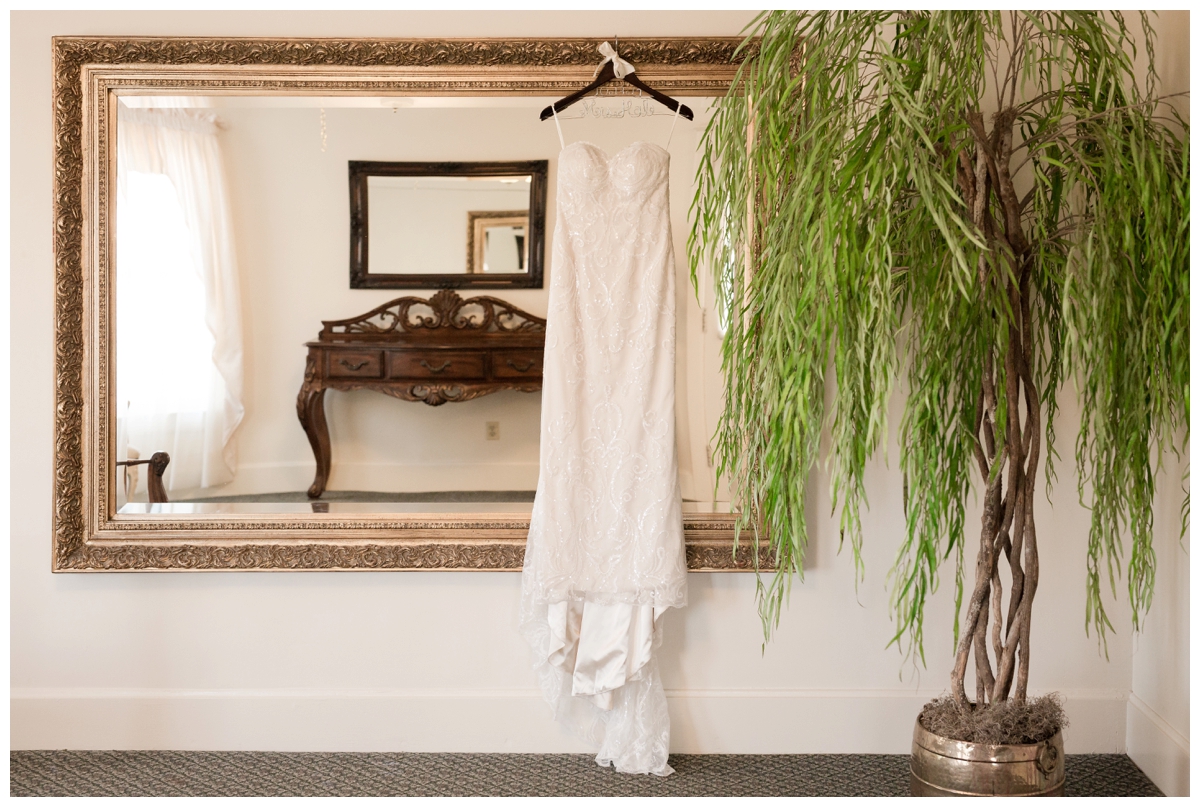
column 605, row 554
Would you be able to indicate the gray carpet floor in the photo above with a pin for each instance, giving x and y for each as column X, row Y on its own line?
column 192, row 773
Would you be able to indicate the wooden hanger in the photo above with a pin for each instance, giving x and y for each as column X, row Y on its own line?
column 607, row 74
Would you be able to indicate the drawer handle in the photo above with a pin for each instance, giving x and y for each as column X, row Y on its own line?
column 524, row 369
column 353, row 367
column 425, row 364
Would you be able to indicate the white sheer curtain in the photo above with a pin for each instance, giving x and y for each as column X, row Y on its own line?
column 179, row 327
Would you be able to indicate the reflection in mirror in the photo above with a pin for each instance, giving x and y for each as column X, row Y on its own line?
column 426, row 225
column 413, row 224
column 232, row 220
column 496, row 241
column 178, row 297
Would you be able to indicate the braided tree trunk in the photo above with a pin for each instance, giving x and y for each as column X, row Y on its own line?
column 1006, row 449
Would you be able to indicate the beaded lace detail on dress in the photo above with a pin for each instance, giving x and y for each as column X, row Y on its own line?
column 604, row 557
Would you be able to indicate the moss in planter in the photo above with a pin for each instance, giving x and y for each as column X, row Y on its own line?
column 1003, row 723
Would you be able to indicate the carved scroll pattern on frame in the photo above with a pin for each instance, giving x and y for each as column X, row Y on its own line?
column 86, row 534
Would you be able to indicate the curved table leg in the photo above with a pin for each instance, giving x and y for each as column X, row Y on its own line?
column 310, row 407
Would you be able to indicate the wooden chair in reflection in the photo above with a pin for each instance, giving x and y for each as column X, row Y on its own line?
column 154, row 482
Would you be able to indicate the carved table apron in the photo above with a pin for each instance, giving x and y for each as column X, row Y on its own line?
column 433, row 351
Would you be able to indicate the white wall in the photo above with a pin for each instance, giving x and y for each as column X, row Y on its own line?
column 1159, row 725
column 432, row 661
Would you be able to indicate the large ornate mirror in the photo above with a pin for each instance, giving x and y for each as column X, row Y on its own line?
column 201, row 228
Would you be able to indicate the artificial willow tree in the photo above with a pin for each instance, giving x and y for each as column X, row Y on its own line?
column 976, row 207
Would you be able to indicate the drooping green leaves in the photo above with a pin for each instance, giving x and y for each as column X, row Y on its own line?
column 831, row 212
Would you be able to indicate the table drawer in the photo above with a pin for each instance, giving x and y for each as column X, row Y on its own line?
column 436, row 364
column 517, row 364
column 355, row 364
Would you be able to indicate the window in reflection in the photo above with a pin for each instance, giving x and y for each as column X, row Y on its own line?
column 156, row 369
column 178, row 352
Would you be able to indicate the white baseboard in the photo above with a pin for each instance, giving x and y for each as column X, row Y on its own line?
column 1159, row 750
column 492, row 721
column 276, row 477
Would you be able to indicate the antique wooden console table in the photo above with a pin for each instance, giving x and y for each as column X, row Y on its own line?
column 433, row 351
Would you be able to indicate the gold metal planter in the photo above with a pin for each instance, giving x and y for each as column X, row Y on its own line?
column 942, row 767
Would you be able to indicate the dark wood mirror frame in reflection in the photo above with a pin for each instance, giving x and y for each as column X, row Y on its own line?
column 89, row 74
column 361, row 276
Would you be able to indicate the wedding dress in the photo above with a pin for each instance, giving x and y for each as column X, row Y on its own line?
column 605, row 558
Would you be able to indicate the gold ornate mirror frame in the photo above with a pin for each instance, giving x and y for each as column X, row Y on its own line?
column 88, row 75
column 478, row 223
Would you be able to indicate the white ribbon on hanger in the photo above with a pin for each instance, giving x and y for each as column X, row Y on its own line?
column 621, row 68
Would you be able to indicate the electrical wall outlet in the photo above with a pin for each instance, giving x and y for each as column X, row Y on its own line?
column 492, row 429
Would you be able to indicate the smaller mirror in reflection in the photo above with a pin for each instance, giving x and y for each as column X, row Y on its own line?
column 447, row 225
column 497, row 242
